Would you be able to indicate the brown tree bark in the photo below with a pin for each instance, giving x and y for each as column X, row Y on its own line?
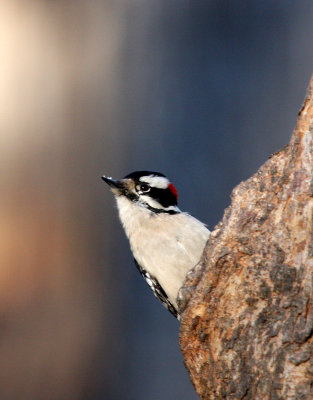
column 247, row 325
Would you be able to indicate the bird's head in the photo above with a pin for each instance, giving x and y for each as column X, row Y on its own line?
column 152, row 190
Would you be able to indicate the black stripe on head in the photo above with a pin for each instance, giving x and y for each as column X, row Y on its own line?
column 135, row 176
column 165, row 197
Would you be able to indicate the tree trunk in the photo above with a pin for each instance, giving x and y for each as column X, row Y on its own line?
column 247, row 325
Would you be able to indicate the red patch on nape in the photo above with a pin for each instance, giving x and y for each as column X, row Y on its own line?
column 173, row 190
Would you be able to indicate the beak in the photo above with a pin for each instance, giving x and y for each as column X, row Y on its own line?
column 115, row 185
column 110, row 181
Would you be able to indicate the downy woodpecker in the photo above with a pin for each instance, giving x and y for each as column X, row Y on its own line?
column 166, row 243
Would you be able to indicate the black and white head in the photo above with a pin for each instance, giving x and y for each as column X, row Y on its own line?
column 151, row 190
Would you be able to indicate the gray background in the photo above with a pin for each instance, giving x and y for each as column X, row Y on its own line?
column 203, row 91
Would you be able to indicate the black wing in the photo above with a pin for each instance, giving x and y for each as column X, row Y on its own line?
column 157, row 289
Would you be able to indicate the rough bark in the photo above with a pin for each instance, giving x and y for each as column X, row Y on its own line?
column 247, row 326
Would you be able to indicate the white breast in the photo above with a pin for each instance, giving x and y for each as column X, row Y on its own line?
column 165, row 245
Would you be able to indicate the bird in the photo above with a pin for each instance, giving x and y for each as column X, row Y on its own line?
column 165, row 242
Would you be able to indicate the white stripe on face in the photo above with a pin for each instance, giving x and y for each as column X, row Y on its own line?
column 155, row 204
column 159, row 182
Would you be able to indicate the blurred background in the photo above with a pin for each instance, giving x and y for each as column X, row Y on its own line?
column 203, row 91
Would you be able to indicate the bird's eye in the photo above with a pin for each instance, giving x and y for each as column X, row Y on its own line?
column 144, row 187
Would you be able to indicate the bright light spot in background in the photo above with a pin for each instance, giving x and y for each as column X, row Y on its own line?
column 52, row 58
column 30, row 76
